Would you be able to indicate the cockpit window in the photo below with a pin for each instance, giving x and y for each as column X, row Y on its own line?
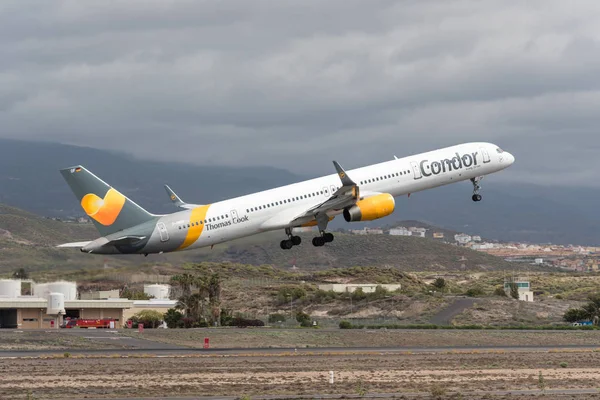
column 499, row 150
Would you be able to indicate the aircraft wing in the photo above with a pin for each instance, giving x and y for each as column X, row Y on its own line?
column 177, row 200
column 345, row 196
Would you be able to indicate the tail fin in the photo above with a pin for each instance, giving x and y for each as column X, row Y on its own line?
column 109, row 210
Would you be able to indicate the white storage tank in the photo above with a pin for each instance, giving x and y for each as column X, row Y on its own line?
column 10, row 288
column 68, row 289
column 56, row 304
column 160, row 292
column 41, row 290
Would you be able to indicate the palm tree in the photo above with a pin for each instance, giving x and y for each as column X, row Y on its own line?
column 185, row 282
column 214, row 297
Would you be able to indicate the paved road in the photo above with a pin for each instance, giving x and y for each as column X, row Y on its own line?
column 132, row 346
column 325, row 351
column 456, row 307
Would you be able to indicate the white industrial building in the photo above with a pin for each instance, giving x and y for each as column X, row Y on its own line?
column 50, row 303
column 351, row 287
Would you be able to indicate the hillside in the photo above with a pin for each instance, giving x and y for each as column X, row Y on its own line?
column 404, row 253
column 27, row 240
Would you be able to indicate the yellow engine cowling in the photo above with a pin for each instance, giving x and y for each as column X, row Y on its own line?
column 371, row 208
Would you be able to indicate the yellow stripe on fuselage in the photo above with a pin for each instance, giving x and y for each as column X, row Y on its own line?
column 195, row 230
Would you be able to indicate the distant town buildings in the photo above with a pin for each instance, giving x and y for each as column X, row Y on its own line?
column 351, row 287
column 368, row 231
column 462, row 238
column 400, row 231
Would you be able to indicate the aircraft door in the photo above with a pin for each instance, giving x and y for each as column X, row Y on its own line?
column 333, row 189
column 485, row 154
column 162, row 230
column 234, row 215
column 416, row 170
column 325, row 192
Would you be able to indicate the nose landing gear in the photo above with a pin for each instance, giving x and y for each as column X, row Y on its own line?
column 476, row 188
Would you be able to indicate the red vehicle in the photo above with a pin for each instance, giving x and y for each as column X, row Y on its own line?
column 89, row 323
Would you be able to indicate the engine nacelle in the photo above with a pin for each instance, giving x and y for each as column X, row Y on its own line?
column 371, row 208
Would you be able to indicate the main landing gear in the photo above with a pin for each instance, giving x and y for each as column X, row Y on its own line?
column 291, row 241
column 325, row 237
column 476, row 188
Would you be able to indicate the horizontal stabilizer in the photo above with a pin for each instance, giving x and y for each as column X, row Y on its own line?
column 74, row 245
column 125, row 240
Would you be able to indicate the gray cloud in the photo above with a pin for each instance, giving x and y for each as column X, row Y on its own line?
column 296, row 83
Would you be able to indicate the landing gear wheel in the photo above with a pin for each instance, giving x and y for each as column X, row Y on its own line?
column 328, row 237
column 296, row 240
column 476, row 197
column 286, row 244
column 318, row 241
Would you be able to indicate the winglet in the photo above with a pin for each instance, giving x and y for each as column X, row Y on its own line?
column 346, row 181
column 177, row 200
column 174, row 198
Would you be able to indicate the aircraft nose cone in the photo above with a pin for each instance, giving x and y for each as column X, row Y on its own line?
column 510, row 159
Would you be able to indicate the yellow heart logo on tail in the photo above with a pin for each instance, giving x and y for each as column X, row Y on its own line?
column 106, row 210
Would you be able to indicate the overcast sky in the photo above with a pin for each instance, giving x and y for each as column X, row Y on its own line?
column 294, row 84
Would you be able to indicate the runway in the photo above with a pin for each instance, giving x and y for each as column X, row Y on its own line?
column 119, row 344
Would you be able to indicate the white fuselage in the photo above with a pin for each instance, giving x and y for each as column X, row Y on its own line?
column 274, row 209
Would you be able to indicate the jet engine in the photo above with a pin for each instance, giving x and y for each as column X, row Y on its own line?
column 371, row 208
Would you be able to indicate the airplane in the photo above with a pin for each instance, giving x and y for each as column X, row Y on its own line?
column 362, row 194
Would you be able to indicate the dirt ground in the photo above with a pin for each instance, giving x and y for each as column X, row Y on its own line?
column 448, row 375
column 264, row 338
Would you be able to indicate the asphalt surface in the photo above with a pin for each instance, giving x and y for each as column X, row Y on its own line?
column 128, row 346
column 458, row 306
column 132, row 346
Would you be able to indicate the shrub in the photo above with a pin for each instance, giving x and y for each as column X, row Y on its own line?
column 173, row 318
column 358, row 294
column 226, row 317
column 303, row 318
column 276, row 318
column 514, row 290
column 150, row 318
column 439, row 283
column 575, row 314
column 187, row 322
column 499, row 291
column 285, row 294
column 380, row 293
column 345, row 325
column 563, row 364
column 475, row 292
column 243, row 322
